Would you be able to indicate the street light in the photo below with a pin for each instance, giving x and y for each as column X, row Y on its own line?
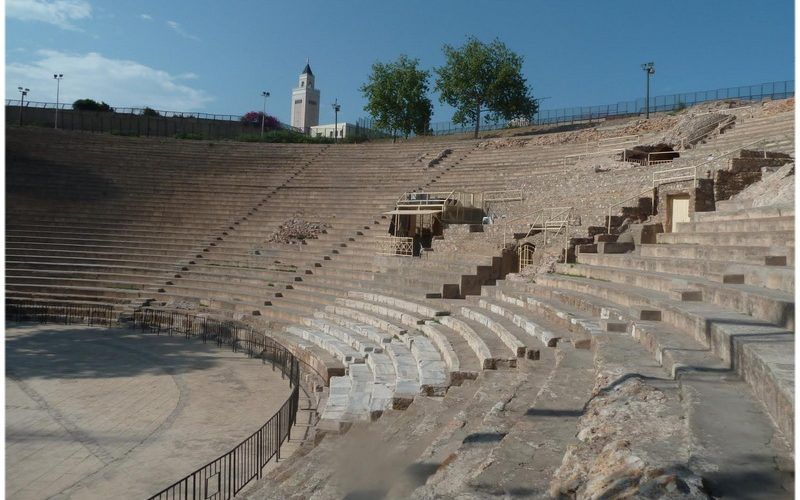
column 649, row 69
column 336, row 107
column 57, row 78
column 264, row 111
column 23, row 92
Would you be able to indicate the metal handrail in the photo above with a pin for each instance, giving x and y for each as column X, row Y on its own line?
column 694, row 169
column 620, row 203
column 649, row 161
column 605, row 143
column 503, row 195
column 621, row 138
column 601, row 152
column 704, row 131
column 395, row 245
column 406, row 196
column 725, row 111
column 539, row 217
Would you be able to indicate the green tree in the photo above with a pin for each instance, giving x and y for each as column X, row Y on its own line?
column 397, row 98
column 479, row 77
column 90, row 105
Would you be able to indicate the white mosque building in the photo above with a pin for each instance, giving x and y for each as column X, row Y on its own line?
column 305, row 102
column 305, row 110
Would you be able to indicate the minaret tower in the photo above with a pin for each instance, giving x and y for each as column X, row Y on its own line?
column 305, row 101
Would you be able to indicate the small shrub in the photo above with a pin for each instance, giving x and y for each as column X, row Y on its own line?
column 150, row 112
column 90, row 105
column 124, row 133
column 678, row 108
column 189, row 136
column 254, row 118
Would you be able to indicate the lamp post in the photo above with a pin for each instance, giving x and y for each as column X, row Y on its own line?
column 336, row 107
column 649, row 69
column 57, row 78
column 23, row 92
column 264, row 111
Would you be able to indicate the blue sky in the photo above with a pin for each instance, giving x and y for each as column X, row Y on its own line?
column 218, row 56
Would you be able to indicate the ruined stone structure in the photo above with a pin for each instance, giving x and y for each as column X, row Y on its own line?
column 658, row 360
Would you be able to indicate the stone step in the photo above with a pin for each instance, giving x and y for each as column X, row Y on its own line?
column 773, row 238
column 525, row 300
column 719, row 407
column 761, row 353
column 773, row 277
column 415, row 308
column 417, row 353
column 433, row 374
column 489, row 350
column 458, row 356
column 348, row 399
column 460, row 444
column 512, row 335
column 534, row 430
column 745, row 213
column 341, row 350
column 761, row 224
column 540, row 331
column 763, row 304
column 735, row 253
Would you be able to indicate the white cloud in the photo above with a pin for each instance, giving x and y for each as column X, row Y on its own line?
column 146, row 17
column 177, row 28
column 62, row 13
column 121, row 83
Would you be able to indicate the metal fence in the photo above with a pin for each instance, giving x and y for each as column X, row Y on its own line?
column 227, row 475
column 587, row 114
column 64, row 314
column 133, row 121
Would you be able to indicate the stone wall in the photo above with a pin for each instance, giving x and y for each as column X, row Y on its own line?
column 701, row 198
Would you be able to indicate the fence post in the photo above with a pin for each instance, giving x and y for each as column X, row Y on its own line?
column 259, row 446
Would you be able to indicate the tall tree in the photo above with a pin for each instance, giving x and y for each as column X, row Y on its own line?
column 397, row 98
column 479, row 77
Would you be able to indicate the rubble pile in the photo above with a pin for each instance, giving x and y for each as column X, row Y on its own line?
column 619, row 453
column 774, row 189
column 770, row 108
column 502, row 144
column 295, row 231
column 441, row 156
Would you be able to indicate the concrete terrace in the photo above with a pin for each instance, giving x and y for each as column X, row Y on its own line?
column 462, row 380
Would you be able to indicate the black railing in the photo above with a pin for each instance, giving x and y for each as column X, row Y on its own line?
column 225, row 476
column 588, row 114
column 64, row 314
column 133, row 121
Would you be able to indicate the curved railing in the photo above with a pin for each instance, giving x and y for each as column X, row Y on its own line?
column 23, row 310
column 227, row 475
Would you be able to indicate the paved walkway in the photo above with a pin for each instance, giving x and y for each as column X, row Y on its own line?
column 99, row 413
